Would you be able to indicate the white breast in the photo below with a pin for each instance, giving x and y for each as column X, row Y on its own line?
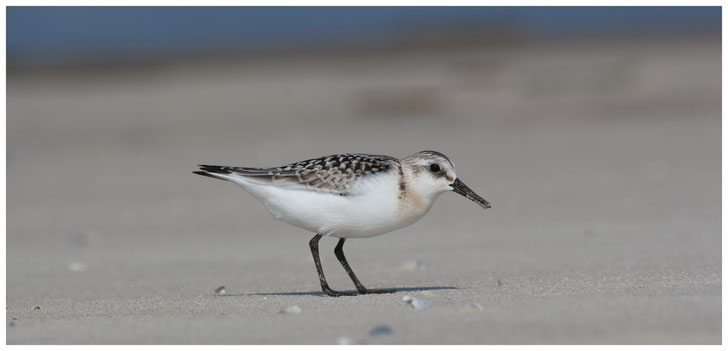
column 374, row 208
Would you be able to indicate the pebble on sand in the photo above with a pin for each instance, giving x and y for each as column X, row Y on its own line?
column 79, row 240
column 380, row 330
column 417, row 304
column 291, row 310
column 220, row 290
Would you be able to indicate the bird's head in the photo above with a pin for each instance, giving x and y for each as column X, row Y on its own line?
column 432, row 174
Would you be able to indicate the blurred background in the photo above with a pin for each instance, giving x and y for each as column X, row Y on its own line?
column 593, row 131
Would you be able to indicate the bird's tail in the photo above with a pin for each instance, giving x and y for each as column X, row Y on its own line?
column 236, row 174
column 217, row 172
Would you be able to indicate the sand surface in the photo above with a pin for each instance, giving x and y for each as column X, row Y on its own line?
column 602, row 164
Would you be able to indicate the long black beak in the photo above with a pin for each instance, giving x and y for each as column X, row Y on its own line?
column 462, row 189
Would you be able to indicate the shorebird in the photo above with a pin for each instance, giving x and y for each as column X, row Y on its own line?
column 349, row 196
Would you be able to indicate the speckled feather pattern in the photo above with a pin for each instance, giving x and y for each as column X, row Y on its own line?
column 335, row 174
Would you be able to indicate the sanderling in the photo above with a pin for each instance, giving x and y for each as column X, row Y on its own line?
column 349, row 196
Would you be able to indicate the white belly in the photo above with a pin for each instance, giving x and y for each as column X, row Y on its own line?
column 376, row 210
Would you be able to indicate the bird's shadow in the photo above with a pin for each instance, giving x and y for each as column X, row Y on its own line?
column 321, row 293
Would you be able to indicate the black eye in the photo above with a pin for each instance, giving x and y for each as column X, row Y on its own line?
column 435, row 167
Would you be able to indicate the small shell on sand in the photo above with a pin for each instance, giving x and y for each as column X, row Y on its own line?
column 417, row 304
column 77, row 267
column 412, row 266
column 344, row 340
column 475, row 306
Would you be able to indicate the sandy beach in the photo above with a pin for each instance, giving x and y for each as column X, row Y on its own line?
column 602, row 163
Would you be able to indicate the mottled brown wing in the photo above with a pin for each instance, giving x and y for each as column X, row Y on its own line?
column 335, row 174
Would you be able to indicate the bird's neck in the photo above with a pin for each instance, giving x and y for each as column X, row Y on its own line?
column 410, row 200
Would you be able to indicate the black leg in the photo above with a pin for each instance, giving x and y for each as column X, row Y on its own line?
column 324, row 285
column 339, row 251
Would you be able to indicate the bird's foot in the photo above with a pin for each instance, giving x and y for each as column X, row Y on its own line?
column 335, row 293
column 365, row 291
